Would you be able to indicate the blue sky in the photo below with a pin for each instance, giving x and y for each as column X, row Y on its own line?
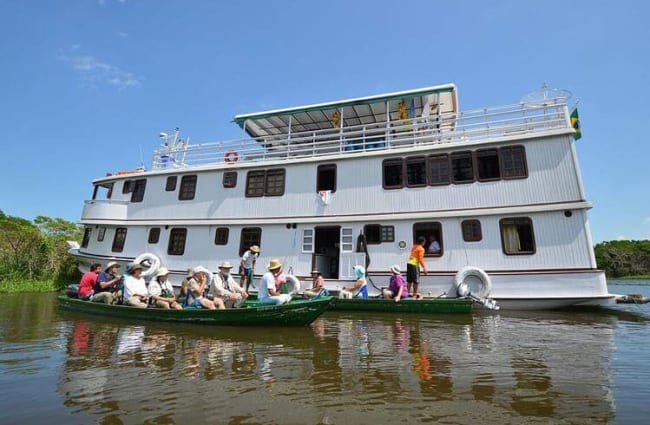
column 86, row 84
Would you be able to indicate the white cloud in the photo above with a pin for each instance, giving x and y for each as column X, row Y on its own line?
column 122, row 34
column 94, row 72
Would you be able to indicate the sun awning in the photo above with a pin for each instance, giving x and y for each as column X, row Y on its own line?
column 360, row 111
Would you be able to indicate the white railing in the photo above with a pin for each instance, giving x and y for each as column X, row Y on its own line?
column 518, row 119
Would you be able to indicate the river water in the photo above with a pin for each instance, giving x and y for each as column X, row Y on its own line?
column 585, row 367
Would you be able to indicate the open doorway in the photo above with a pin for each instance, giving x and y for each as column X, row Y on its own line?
column 326, row 251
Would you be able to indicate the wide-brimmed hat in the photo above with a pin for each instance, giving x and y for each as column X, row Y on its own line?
column 198, row 269
column 395, row 269
column 274, row 264
column 315, row 271
column 112, row 264
column 225, row 265
column 162, row 272
column 255, row 249
column 134, row 267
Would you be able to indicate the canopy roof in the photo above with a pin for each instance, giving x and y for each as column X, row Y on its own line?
column 360, row 111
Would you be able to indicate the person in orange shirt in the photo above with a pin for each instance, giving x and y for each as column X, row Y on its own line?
column 415, row 261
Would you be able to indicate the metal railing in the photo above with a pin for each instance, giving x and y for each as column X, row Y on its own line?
column 511, row 120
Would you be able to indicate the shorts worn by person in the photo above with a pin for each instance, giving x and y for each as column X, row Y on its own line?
column 397, row 288
column 360, row 287
column 247, row 266
column 269, row 291
column 135, row 288
column 88, row 281
column 225, row 287
column 107, row 284
column 317, row 285
column 415, row 261
column 196, row 289
column 161, row 291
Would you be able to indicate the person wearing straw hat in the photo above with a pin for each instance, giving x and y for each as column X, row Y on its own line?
column 135, row 289
column 107, row 284
column 225, row 287
column 317, row 284
column 269, row 292
column 397, row 288
column 162, row 292
column 196, row 288
column 247, row 266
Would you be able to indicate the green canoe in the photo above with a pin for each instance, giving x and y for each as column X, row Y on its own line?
column 299, row 313
column 409, row 305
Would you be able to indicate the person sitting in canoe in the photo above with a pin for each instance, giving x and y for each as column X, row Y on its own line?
column 135, row 289
column 360, row 287
column 162, row 292
column 87, row 282
column 225, row 287
column 107, row 284
column 196, row 288
column 269, row 291
column 397, row 288
column 317, row 285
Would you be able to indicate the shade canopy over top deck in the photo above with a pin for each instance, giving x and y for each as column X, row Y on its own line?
column 423, row 102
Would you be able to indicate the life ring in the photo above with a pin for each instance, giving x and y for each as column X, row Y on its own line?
column 471, row 280
column 231, row 157
column 292, row 284
column 150, row 262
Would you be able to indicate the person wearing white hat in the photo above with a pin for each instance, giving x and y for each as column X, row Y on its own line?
column 360, row 287
column 247, row 266
column 225, row 287
column 196, row 288
column 107, row 284
column 162, row 292
column 135, row 289
column 269, row 292
column 397, row 288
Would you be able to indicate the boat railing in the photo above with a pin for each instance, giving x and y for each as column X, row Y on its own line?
column 520, row 119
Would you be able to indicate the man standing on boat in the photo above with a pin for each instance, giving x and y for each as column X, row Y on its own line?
column 415, row 261
column 225, row 287
column 247, row 266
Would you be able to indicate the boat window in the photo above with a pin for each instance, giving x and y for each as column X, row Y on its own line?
column 265, row 183
column 101, row 234
column 139, row 187
column 432, row 232
column 170, row 186
column 188, row 188
column 471, row 230
column 513, row 162
column 347, row 244
column 326, row 178
column 230, row 179
column 255, row 182
column 376, row 234
column 154, row 235
column 393, row 173
column 462, row 167
column 438, row 170
column 487, row 164
column 127, row 186
column 416, row 171
column 221, row 236
column 307, row 240
column 177, row 238
column 249, row 236
column 517, row 237
column 103, row 191
column 275, row 182
column 119, row 239
column 86, row 238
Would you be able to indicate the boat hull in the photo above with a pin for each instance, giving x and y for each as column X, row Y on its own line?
column 294, row 314
column 422, row 306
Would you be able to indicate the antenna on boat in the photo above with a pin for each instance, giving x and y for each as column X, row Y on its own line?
column 545, row 96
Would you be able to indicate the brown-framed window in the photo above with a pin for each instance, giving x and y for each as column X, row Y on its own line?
column 154, row 235
column 255, row 183
column 86, row 238
column 170, row 185
column 513, row 162
column 127, row 186
column 416, row 171
column 471, row 230
column 393, row 172
column 462, row 167
column 432, row 232
column 326, row 177
column 188, row 189
column 139, row 187
column 438, row 170
column 119, row 239
column 221, row 236
column 177, row 239
column 487, row 165
column 101, row 234
column 230, row 179
column 517, row 236
column 275, row 182
column 249, row 236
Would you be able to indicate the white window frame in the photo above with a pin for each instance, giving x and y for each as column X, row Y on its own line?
column 307, row 240
column 347, row 239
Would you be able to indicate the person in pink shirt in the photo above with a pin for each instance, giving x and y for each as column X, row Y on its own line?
column 397, row 289
column 88, row 280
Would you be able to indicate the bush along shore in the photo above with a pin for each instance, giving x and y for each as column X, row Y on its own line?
column 629, row 259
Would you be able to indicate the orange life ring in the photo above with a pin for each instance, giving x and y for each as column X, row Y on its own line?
column 231, row 156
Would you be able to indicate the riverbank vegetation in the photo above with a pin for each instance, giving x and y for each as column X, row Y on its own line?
column 624, row 259
column 33, row 254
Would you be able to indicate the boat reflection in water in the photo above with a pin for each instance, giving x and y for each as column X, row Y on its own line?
column 347, row 368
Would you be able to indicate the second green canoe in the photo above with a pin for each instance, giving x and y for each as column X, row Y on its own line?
column 409, row 305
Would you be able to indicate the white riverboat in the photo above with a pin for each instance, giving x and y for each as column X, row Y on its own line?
column 356, row 181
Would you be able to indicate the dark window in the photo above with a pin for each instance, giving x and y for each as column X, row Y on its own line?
column 471, row 230
column 432, row 232
column 86, row 238
column 274, row 182
column 119, row 239
column 221, row 236
column 372, row 233
column 249, row 236
column 101, row 234
column 462, row 167
column 154, row 235
column 387, row 233
column 393, row 173
column 177, row 238
column 127, row 187
column 513, row 162
column 487, row 165
column 416, row 171
column 187, row 190
column 138, row 190
column 517, row 236
column 230, row 179
column 255, row 181
column 170, row 186
column 438, row 170
column 326, row 177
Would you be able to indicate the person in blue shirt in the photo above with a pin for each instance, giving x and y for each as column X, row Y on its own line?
column 107, row 284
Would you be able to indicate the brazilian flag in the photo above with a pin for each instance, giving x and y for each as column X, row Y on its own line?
column 575, row 123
